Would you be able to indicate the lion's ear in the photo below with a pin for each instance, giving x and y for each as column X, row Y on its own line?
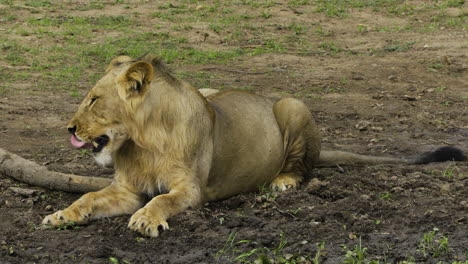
column 135, row 80
column 116, row 62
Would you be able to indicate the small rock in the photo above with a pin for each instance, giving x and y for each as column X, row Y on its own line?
column 314, row 223
column 464, row 204
column 454, row 12
column 362, row 125
column 397, row 189
column 392, row 78
column 409, row 98
column 445, row 188
column 24, row 191
column 48, row 208
column 365, row 197
column 315, row 185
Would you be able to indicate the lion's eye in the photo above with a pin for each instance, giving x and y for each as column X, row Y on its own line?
column 93, row 100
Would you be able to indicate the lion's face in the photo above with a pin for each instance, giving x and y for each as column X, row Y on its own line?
column 99, row 123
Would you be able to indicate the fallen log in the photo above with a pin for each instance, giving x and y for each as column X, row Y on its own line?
column 31, row 173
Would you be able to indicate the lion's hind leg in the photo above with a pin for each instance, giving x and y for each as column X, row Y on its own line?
column 301, row 142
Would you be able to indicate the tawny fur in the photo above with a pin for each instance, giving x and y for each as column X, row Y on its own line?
column 171, row 144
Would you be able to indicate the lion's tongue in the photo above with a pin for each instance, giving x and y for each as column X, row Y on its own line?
column 78, row 143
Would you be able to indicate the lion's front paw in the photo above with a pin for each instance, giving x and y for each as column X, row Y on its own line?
column 64, row 217
column 147, row 224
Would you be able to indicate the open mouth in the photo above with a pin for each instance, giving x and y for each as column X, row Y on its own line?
column 96, row 145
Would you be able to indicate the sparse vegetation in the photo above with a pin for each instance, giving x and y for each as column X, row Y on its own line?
column 232, row 253
column 399, row 47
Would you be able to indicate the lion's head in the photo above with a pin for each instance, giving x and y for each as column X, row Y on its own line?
column 100, row 121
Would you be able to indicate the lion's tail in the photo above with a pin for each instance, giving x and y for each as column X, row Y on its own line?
column 332, row 158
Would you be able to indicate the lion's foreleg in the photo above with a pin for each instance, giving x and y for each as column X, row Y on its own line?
column 152, row 218
column 115, row 199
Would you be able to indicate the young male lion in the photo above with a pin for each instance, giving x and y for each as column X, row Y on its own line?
column 168, row 142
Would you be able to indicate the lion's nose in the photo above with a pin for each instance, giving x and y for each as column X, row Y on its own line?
column 72, row 130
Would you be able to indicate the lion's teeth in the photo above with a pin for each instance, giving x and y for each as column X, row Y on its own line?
column 95, row 144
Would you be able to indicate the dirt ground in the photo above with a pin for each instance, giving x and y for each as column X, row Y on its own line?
column 395, row 92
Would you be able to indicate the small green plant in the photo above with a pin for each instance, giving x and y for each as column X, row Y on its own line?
column 298, row 2
column 320, row 247
column 332, row 8
column 441, row 88
column 233, row 254
column 230, row 247
column 266, row 15
column 399, row 47
column 295, row 211
column 409, row 261
column 435, row 66
column 266, row 194
column 161, row 15
column 297, row 28
column 433, row 244
column 68, row 226
column 355, row 256
column 386, row 196
column 362, row 28
column 114, row 260
column 450, row 171
column 247, row 88
column 215, row 28
column 330, row 46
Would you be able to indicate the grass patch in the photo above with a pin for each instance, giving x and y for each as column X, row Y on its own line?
column 433, row 244
column 108, row 22
column 242, row 252
column 341, row 8
column 330, row 47
column 399, row 47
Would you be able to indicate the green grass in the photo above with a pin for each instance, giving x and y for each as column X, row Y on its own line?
column 242, row 252
column 357, row 255
column 399, row 47
column 330, row 47
column 341, row 8
column 385, row 196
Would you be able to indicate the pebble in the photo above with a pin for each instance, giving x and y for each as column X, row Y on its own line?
column 315, row 185
column 397, row 189
column 365, row 197
column 455, row 12
column 464, row 203
column 445, row 188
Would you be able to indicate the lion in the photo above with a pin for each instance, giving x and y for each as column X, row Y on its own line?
column 168, row 142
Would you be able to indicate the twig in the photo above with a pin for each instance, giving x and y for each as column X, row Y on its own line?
column 234, row 71
column 285, row 213
column 15, row 67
